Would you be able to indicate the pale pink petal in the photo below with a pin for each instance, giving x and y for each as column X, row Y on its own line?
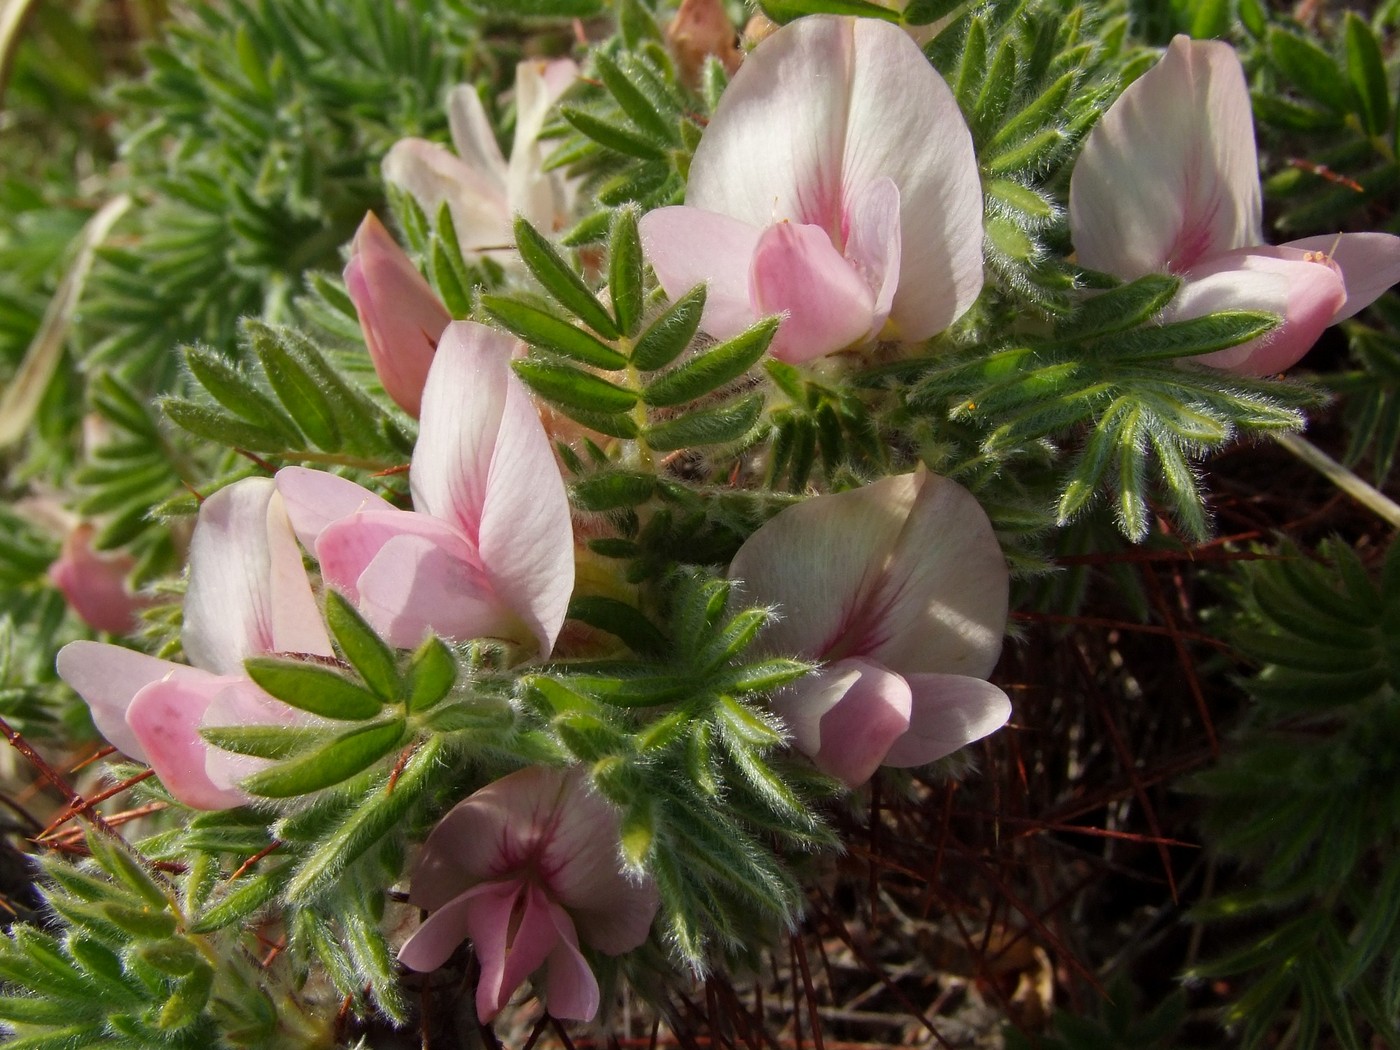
column 241, row 703
column 545, row 820
column 462, row 409
column 773, row 149
column 687, row 246
column 314, row 499
column 499, row 829
column 940, row 603
column 873, row 245
column 905, row 571
column 817, row 561
column 347, row 546
column 107, row 677
column 474, row 138
column 949, row 711
column 415, row 585
column 165, row 717
column 827, row 305
column 1370, row 265
column 1169, row 176
column 571, row 990
column 582, row 861
column 820, row 111
column 860, row 710
column 541, row 197
column 531, row 941
column 433, row 943
column 400, row 314
column 619, row 917
column 904, row 124
column 248, row 592
column 433, row 176
column 484, row 463
column 1304, row 288
column 95, row 583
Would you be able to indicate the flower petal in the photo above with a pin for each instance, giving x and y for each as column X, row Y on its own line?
column 821, row 110
column 433, row 943
column 874, row 245
column 484, row 463
column 415, row 585
column 248, row 592
column 1370, row 265
column 433, row 176
column 817, row 560
column 1169, row 176
column 940, row 603
column 491, row 833
column 1303, row 288
column 686, row 246
column 107, row 677
column 949, row 711
column 346, row 547
column 474, row 138
column 542, row 197
column 571, row 990
column 797, row 272
column 530, row 943
column 906, row 572
column 241, row 703
column 400, row 314
column 314, row 498
column 95, row 583
column 861, row 710
column 773, row 149
column 904, row 124
column 545, row 820
column 165, row 718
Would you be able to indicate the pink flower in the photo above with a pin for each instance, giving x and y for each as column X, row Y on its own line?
column 527, row 868
column 400, row 314
column 488, row 551
column 836, row 184
column 248, row 595
column 482, row 190
column 1169, row 183
column 95, row 583
column 901, row 589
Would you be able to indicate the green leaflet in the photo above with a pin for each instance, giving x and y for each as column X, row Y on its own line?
column 713, row 426
column 574, row 388
column 625, row 283
column 671, row 332
column 542, row 328
column 1311, row 70
column 310, row 687
column 366, row 652
column 782, row 11
column 432, row 672
column 561, row 281
column 708, row 371
column 613, row 490
column 340, row 759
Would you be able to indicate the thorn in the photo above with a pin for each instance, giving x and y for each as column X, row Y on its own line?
column 273, row 845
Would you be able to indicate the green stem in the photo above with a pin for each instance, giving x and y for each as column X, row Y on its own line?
column 1367, row 495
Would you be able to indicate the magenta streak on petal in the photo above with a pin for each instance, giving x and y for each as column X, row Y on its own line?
column 517, row 853
column 866, row 625
column 1193, row 242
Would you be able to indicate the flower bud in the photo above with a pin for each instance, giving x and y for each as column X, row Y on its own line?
column 400, row 315
column 95, row 584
